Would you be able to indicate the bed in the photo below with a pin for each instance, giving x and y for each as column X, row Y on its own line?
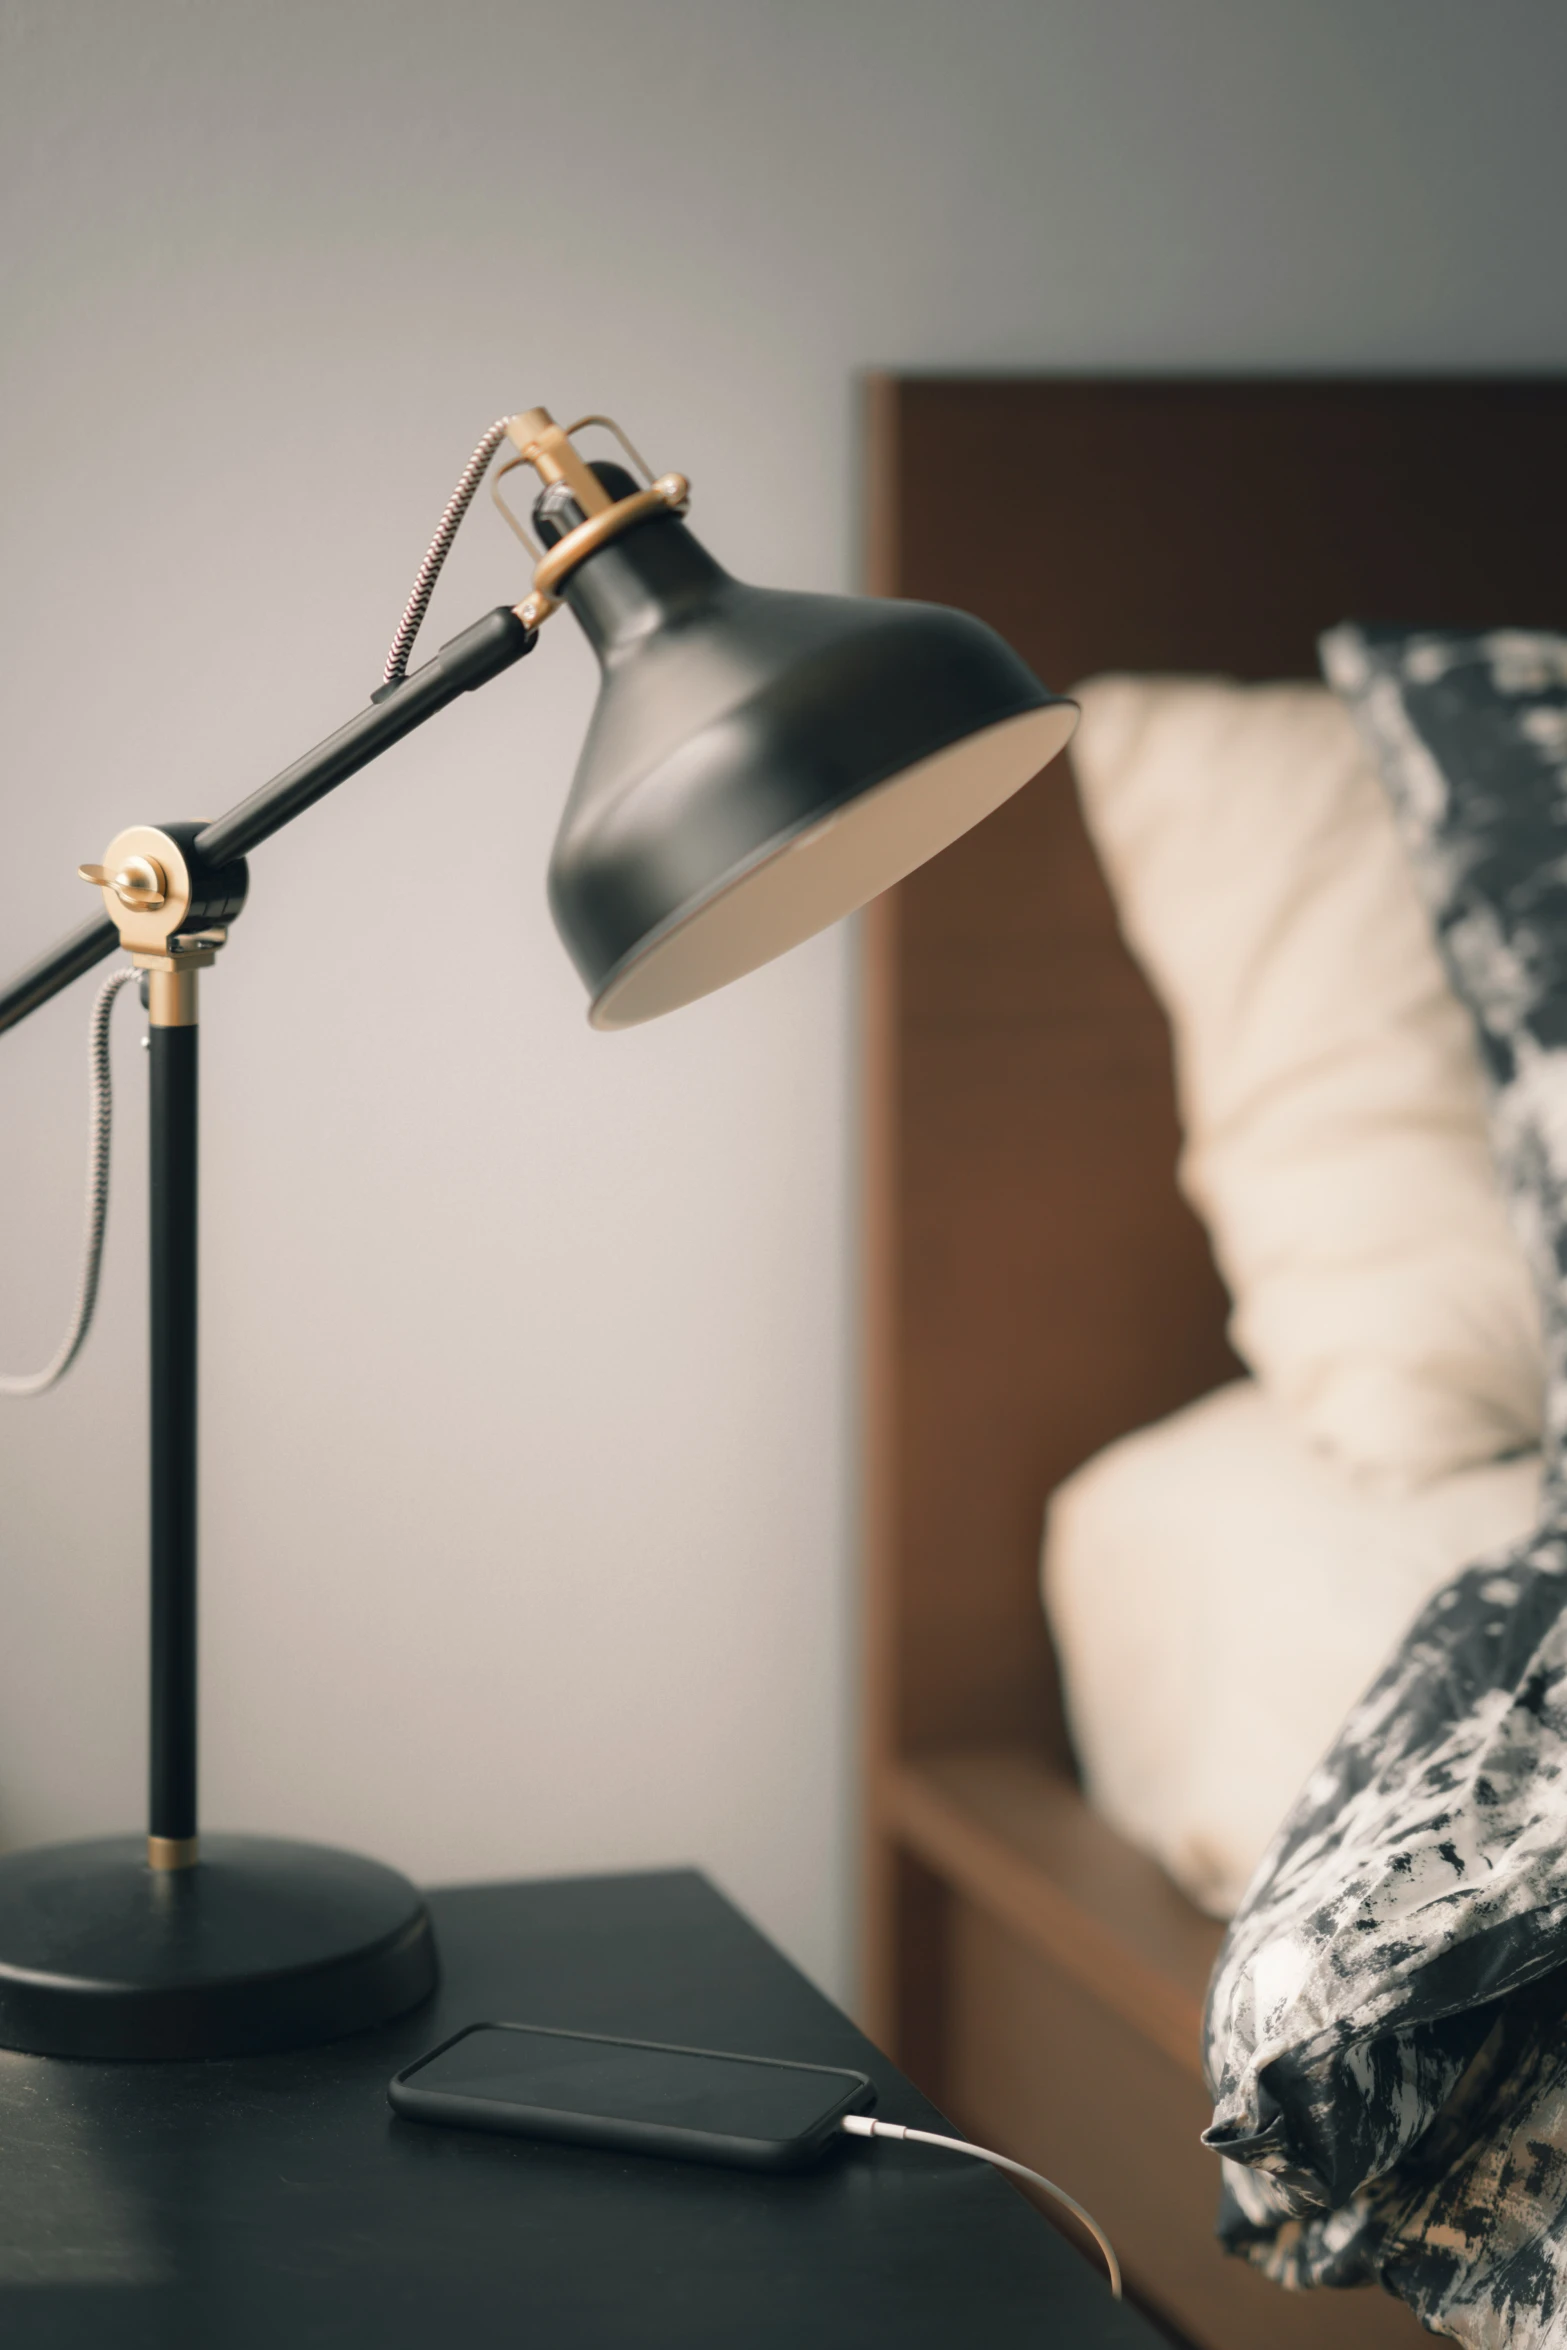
column 1036, row 1285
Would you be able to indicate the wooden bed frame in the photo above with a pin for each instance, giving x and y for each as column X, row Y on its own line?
column 1036, row 1284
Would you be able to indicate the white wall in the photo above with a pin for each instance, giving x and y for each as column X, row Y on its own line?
column 529, row 1424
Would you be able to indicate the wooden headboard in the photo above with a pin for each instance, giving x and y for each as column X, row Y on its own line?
column 1039, row 1286
column 1036, row 1285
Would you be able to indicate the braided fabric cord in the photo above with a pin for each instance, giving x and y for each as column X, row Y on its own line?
column 440, row 547
column 100, row 1119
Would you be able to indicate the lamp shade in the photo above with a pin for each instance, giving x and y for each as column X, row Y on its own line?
column 760, row 763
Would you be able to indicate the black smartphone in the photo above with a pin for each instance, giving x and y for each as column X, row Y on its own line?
column 695, row 2103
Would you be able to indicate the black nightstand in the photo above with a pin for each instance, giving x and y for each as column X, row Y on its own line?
column 274, row 2203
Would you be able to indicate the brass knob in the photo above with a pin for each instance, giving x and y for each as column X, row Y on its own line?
column 141, row 885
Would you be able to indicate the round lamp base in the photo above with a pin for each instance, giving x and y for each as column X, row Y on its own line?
column 261, row 1945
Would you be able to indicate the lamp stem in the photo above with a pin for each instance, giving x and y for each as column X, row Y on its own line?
column 173, row 1034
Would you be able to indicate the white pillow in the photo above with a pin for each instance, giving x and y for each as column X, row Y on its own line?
column 1220, row 1595
column 1328, row 1079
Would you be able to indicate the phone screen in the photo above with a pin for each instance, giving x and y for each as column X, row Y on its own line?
column 637, row 2082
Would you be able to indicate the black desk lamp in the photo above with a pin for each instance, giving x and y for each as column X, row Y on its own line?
column 757, row 765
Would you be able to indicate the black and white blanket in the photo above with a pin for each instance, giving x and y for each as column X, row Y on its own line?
column 1386, row 2035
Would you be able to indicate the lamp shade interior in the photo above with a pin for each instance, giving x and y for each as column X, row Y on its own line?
column 831, row 868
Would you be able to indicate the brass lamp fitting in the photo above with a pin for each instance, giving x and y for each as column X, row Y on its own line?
column 171, row 910
column 547, row 447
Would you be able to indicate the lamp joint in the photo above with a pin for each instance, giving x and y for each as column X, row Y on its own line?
column 168, row 903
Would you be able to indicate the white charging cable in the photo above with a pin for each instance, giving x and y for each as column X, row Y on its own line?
column 864, row 2125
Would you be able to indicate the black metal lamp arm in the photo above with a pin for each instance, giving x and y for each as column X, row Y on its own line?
column 471, row 659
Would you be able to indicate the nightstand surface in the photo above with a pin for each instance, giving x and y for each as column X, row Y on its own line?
column 274, row 2203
